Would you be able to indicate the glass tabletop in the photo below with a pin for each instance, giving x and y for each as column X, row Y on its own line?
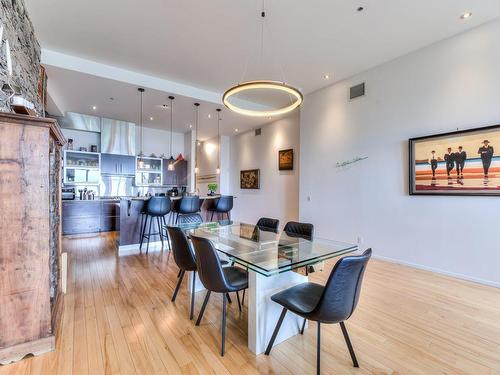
column 265, row 251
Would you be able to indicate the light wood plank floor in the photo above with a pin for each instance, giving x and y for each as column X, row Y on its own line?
column 118, row 319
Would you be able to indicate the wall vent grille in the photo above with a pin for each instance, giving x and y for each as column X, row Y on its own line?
column 357, row 91
column 258, row 131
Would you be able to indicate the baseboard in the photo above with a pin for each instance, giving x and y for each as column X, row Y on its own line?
column 134, row 248
column 17, row 352
column 439, row 271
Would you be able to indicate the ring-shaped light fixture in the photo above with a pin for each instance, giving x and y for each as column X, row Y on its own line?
column 268, row 85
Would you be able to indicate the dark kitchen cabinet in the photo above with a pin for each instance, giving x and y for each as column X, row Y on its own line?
column 90, row 216
column 117, row 164
column 176, row 177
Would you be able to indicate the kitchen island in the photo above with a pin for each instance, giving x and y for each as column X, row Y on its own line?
column 131, row 219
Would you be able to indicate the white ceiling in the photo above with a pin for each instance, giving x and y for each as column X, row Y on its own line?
column 79, row 92
column 207, row 44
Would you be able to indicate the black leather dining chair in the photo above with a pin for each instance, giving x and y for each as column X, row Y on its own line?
column 268, row 224
column 302, row 230
column 333, row 303
column 224, row 206
column 217, row 279
column 185, row 260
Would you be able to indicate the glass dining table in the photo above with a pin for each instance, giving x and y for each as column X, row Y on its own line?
column 270, row 257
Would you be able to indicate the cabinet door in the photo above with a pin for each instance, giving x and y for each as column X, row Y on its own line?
column 109, row 164
column 126, row 164
column 181, row 169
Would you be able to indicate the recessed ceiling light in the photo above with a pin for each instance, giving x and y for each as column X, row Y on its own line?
column 165, row 106
column 199, row 143
column 190, row 126
column 111, row 98
column 236, row 130
column 209, row 115
column 466, row 15
column 151, row 118
column 94, row 107
column 360, row 9
column 326, row 76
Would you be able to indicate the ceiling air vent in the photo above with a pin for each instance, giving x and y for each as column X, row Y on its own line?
column 357, row 91
column 258, row 131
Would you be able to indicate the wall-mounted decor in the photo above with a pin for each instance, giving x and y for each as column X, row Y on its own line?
column 457, row 163
column 250, row 179
column 341, row 164
column 285, row 160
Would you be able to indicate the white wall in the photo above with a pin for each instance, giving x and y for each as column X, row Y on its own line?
column 449, row 85
column 83, row 139
column 208, row 152
column 278, row 193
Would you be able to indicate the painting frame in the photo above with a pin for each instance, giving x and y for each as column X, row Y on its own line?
column 250, row 179
column 285, row 160
column 481, row 176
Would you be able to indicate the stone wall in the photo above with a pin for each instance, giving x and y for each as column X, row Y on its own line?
column 25, row 52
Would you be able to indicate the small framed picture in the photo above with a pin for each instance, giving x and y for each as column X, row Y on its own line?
column 457, row 163
column 250, row 179
column 285, row 160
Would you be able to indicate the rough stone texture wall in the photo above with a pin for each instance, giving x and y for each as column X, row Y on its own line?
column 25, row 53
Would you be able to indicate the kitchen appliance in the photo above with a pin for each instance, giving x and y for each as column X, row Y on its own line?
column 68, row 194
column 117, row 137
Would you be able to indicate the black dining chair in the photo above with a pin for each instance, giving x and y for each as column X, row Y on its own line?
column 333, row 303
column 190, row 219
column 302, row 230
column 155, row 208
column 189, row 205
column 268, row 224
column 217, row 279
column 184, row 258
column 224, row 206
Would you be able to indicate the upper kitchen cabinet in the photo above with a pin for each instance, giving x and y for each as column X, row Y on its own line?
column 82, row 167
column 117, row 137
column 176, row 177
column 117, row 164
column 148, row 171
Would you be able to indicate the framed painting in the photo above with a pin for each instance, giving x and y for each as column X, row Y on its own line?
column 458, row 163
column 285, row 160
column 250, row 179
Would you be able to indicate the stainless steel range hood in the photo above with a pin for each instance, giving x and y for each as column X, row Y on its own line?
column 78, row 121
column 117, row 137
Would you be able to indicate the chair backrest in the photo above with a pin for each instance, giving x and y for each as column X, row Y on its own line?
column 190, row 219
column 225, row 203
column 189, row 205
column 266, row 223
column 158, row 206
column 296, row 229
column 183, row 256
column 209, row 266
column 341, row 294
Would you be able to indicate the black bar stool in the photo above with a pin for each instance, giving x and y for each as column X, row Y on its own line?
column 224, row 206
column 189, row 205
column 156, row 207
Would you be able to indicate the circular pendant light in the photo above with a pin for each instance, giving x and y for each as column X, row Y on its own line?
column 273, row 87
column 259, row 85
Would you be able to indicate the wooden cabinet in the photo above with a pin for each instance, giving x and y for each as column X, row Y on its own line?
column 178, row 176
column 117, row 164
column 30, row 202
column 90, row 216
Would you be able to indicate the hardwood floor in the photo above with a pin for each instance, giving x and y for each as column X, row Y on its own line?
column 118, row 319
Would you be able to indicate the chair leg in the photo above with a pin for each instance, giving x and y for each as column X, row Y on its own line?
column 318, row 350
column 228, row 298
column 243, row 298
column 223, row 327
column 166, row 232
column 303, row 326
column 160, row 231
column 212, row 217
column 143, row 232
column 179, row 282
column 179, row 274
column 192, row 296
column 239, row 303
column 276, row 330
column 207, row 296
column 349, row 345
column 149, row 234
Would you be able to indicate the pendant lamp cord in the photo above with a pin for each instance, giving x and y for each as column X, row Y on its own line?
column 171, row 121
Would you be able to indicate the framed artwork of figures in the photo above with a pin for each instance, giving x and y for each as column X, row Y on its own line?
column 285, row 160
column 250, row 179
column 464, row 162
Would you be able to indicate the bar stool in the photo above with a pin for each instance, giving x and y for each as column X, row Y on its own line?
column 224, row 206
column 175, row 210
column 189, row 205
column 156, row 207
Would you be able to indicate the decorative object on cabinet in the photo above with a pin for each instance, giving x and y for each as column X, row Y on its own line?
column 456, row 163
column 250, row 179
column 30, row 196
column 285, row 160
